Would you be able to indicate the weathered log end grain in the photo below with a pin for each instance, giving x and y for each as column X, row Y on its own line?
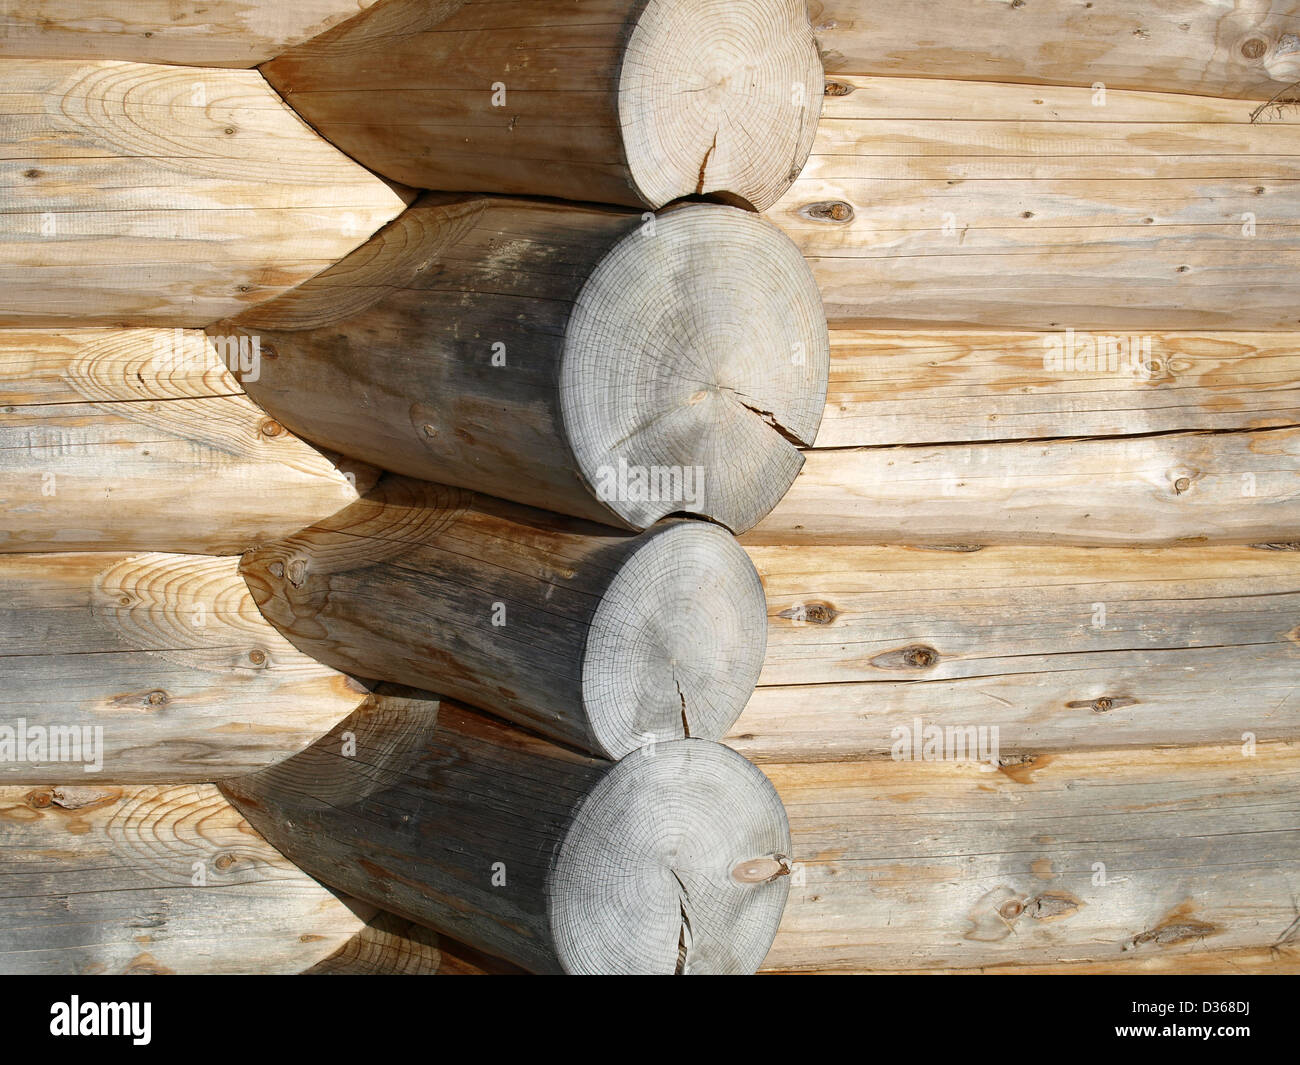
column 638, row 103
column 669, row 861
column 589, row 635
column 583, row 360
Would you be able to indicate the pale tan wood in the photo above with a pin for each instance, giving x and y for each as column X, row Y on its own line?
column 216, row 33
column 166, row 656
column 154, row 880
column 1008, row 206
column 668, row 861
column 1247, row 961
column 1180, row 488
column 141, row 439
column 1057, row 648
column 1241, row 48
column 588, row 635
column 930, row 865
column 637, row 102
column 957, row 386
column 535, row 351
column 141, row 194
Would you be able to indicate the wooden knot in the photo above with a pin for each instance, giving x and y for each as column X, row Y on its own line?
column 1254, row 48
column 837, row 88
column 828, row 211
column 920, row 657
column 761, row 870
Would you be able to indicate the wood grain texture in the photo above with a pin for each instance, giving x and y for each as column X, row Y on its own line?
column 959, row 386
column 140, row 439
column 588, row 635
column 1058, row 649
column 392, row 946
column 1026, row 207
column 154, row 880
column 161, row 663
column 532, row 852
column 538, row 351
column 152, row 195
column 1237, row 48
column 217, row 33
column 929, row 865
column 1231, row 487
column 637, row 102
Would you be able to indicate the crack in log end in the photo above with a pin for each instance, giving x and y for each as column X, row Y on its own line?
column 837, row 212
column 770, row 418
column 686, row 725
column 812, row 613
column 684, row 935
column 699, row 187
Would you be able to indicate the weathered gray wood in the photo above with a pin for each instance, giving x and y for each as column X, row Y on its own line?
column 150, row 880
column 149, row 668
column 982, row 206
column 216, row 33
column 137, row 194
column 589, row 635
column 577, row 359
column 667, row 861
column 1242, row 48
column 1062, row 859
column 1188, row 488
column 140, row 439
column 622, row 101
column 1056, row 648
column 890, row 387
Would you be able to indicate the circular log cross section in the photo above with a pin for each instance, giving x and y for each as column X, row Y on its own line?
column 643, row 882
column 695, row 364
column 677, row 641
column 719, row 97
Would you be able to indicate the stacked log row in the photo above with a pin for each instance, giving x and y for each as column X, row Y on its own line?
column 565, row 357
column 632, row 103
column 593, row 637
column 671, row 860
column 635, row 370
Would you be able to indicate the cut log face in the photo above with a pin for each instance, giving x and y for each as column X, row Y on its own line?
column 154, row 195
column 591, row 636
column 669, row 861
column 133, row 439
column 637, row 102
column 577, row 359
column 149, row 668
column 151, row 880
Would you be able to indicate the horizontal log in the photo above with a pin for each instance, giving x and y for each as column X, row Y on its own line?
column 153, row 880
column 1054, row 648
column 218, row 33
column 1233, row 487
column 1063, row 859
column 140, row 439
column 391, row 946
column 1234, row 49
column 1020, row 207
column 668, row 861
column 578, row 359
column 589, row 635
column 149, row 668
column 155, row 195
column 952, row 386
column 620, row 101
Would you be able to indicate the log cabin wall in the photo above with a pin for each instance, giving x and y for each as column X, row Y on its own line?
column 1026, row 517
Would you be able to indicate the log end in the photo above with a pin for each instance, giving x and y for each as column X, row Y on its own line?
column 677, row 643
column 719, row 98
column 644, row 881
column 695, row 366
